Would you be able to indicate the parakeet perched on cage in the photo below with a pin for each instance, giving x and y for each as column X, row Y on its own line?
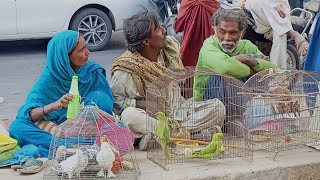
column 213, row 148
column 74, row 164
column 105, row 158
column 163, row 133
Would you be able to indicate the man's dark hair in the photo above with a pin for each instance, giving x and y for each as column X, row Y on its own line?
column 237, row 15
column 137, row 28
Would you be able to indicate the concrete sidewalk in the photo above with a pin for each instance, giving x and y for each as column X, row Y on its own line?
column 299, row 164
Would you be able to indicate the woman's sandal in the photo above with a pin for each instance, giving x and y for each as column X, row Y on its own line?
column 33, row 166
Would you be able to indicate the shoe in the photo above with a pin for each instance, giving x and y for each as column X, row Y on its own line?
column 143, row 144
column 33, row 166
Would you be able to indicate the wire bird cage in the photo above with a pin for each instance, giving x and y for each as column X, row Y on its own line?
column 195, row 114
column 91, row 140
column 282, row 111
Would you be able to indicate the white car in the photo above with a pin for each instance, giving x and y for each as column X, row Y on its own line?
column 38, row 19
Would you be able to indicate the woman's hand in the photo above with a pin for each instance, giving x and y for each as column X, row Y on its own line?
column 37, row 114
column 63, row 101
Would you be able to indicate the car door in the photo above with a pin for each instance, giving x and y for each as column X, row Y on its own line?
column 8, row 25
column 43, row 16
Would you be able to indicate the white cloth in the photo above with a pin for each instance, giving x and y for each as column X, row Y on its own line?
column 137, row 121
column 269, row 23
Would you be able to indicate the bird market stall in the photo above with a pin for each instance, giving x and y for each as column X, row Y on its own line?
column 282, row 112
column 192, row 122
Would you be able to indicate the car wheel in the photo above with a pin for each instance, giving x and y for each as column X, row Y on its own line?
column 95, row 26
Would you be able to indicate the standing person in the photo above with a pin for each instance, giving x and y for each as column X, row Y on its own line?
column 162, row 8
column 194, row 21
column 272, row 19
column 312, row 62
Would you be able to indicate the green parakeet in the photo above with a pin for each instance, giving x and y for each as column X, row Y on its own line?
column 163, row 133
column 212, row 149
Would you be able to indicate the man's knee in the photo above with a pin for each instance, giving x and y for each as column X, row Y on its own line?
column 132, row 114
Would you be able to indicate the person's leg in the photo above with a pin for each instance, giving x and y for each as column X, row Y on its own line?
column 136, row 120
column 274, row 27
column 278, row 54
column 27, row 132
column 281, row 26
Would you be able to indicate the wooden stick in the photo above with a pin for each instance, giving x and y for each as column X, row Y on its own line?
column 263, row 115
column 203, row 142
column 269, row 94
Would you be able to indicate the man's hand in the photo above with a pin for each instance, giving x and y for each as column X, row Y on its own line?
column 247, row 60
column 262, row 56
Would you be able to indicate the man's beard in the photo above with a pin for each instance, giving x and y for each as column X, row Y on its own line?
column 234, row 44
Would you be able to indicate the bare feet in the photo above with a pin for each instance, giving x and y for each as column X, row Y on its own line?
column 5, row 123
column 301, row 43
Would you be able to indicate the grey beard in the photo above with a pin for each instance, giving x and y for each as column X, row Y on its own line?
column 228, row 50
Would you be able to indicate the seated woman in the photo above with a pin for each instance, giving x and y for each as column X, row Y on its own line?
column 67, row 55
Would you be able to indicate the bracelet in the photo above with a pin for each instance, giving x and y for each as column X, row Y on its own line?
column 43, row 111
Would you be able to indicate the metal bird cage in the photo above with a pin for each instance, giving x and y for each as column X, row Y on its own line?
column 77, row 152
column 195, row 112
column 283, row 109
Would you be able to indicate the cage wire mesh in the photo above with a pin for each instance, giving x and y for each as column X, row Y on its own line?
column 282, row 111
column 83, row 145
column 196, row 115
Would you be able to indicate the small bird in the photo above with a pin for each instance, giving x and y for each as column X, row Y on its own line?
column 296, row 108
column 105, row 158
column 163, row 133
column 61, row 153
column 74, row 164
column 281, row 106
column 214, row 148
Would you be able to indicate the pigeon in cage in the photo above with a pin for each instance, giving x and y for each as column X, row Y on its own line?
column 73, row 165
column 61, row 153
column 106, row 157
column 77, row 146
column 91, row 123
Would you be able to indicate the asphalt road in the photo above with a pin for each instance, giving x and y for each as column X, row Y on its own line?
column 21, row 62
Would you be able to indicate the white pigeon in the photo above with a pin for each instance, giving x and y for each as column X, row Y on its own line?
column 74, row 164
column 61, row 153
column 105, row 158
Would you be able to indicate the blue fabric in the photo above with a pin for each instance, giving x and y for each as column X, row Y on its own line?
column 312, row 62
column 219, row 88
column 54, row 82
column 21, row 156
